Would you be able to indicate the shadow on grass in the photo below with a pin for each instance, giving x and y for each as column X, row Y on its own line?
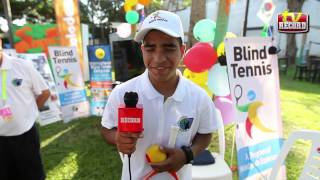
column 77, row 151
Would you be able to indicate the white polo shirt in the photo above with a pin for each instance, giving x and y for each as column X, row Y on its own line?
column 188, row 103
column 24, row 83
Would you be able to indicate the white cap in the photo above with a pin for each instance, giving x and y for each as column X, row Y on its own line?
column 164, row 21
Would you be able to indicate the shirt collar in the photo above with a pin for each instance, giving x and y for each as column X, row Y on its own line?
column 152, row 93
column 180, row 90
column 6, row 62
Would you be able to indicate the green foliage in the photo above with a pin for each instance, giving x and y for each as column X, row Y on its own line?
column 36, row 11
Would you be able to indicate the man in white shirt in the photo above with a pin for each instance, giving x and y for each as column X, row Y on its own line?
column 23, row 91
column 168, row 100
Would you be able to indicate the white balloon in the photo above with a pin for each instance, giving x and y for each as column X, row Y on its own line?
column 4, row 28
column 218, row 82
column 124, row 30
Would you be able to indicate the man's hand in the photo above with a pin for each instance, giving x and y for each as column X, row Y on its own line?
column 42, row 98
column 126, row 141
column 175, row 161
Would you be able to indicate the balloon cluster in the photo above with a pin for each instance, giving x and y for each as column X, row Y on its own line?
column 132, row 16
column 202, row 67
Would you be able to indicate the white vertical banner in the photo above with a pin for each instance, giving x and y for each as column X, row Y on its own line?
column 70, row 85
column 50, row 112
column 254, row 84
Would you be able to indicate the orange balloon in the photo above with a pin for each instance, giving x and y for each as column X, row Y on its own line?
column 144, row 2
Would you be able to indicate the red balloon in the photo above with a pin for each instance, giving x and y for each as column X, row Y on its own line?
column 200, row 57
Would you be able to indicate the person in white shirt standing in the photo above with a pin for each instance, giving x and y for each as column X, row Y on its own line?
column 168, row 100
column 23, row 91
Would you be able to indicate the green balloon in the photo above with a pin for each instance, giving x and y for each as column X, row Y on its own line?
column 204, row 30
column 132, row 17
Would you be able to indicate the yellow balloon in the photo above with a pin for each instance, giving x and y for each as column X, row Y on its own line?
column 131, row 2
column 154, row 154
column 220, row 49
column 201, row 79
column 127, row 7
column 100, row 53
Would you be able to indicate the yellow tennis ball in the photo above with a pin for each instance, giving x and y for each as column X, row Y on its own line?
column 100, row 53
column 154, row 154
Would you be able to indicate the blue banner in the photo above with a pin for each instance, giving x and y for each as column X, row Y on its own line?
column 258, row 158
column 72, row 97
column 99, row 62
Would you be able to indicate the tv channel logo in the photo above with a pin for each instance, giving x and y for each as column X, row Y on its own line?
column 293, row 22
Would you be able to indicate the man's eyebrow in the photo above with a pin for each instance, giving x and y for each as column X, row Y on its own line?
column 149, row 45
column 170, row 45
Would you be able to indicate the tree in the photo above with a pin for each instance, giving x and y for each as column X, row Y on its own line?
column 35, row 11
column 291, row 47
column 197, row 13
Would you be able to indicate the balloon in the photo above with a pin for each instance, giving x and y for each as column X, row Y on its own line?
column 220, row 50
column 218, row 82
column 124, row 30
column 230, row 35
column 132, row 17
column 100, row 53
column 144, row 2
column 200, row 57
column 226, row 108
column 127, row 7
column 200, row 79
column 131, row 2
column 204, row 30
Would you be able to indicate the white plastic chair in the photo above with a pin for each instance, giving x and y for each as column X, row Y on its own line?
column 311, row 170
column 220, row 169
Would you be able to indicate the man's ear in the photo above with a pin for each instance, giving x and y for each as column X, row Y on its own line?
column 183, row 49
column 142, row 47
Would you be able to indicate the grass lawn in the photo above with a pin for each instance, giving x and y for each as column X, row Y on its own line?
column 76, row 150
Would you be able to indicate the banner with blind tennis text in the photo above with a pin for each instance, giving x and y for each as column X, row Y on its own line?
column 254, row 85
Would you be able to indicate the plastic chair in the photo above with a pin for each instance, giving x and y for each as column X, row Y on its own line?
column 311, row 170
column 220, row 169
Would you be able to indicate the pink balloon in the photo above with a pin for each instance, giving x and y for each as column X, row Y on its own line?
column 225, row 105
column 200, row 57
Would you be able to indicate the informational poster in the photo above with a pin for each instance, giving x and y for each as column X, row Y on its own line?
column 254, row 83
column 99, row 62
column 51, row 111
column 68, row 22
column 10, row 52
column 69, row 81
column 100, row 77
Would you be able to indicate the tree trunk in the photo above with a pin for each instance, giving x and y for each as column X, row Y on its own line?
column 198, row 12
column 291, row 48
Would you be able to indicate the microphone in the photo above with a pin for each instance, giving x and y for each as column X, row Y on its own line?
column 130, row 115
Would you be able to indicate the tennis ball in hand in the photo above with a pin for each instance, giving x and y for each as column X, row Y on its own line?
column 154, row 154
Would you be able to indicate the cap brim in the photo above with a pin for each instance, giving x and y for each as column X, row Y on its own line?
column 142, row 33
